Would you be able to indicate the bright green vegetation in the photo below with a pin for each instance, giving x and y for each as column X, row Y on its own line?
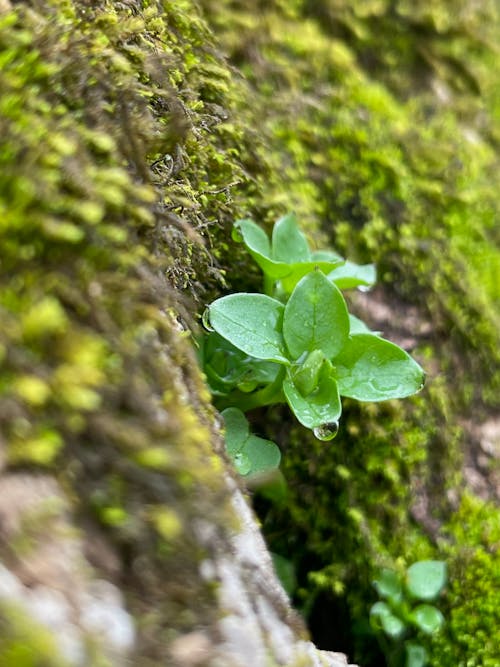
column 300, row 346
column 404, row 609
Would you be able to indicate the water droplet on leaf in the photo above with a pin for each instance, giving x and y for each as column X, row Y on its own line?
column 364, row 288
column 326, row 431
column 205, row 320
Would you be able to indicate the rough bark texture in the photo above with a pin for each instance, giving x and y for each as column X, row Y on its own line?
column 132, row 135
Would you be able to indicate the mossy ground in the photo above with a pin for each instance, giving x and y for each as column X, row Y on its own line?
column 128, row 147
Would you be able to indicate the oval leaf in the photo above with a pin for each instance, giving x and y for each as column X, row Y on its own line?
column 426, row 579
column 315, row 317
column 289, row 244
column 326, row 256
column 320, row 407
column 427, row 618
column 257, row 243
column 300, row 269
column 388, row 585
column 353, row 275
column 252, row 323
column 306, row 375
column 416, row 655
column 358, row 326
column 263, row 455
column 370, row 368
column 382, row 618
column 237, row 430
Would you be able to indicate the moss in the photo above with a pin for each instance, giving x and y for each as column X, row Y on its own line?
column 472, row 632
column 23, row 643
column 112, row 175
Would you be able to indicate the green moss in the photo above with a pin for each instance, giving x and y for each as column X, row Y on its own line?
column 24, row 643
column 472, row 633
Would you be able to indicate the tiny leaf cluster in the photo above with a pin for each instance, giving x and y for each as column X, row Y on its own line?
column 297, row 343
column 404, row 609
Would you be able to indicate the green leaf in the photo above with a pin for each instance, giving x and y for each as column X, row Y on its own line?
column 382, row 618
column 228, row 368
column 289, row 244
column 237, row 431
column 416, row 655
column 427, row 618
column 353, row 275
column 372, row 369
column 299, row 270
column 315, row 317
column 388, row 585
column 258, row 245
column 358, row 326
column 319, row 408
column 306, row 375
column 263, row 455
column 426, row 579
column 250, row 454
column 242, row 463
column 252, row 323
column 327, row 256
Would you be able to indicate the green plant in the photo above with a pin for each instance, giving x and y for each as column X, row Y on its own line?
column 297, row 342
column 404, row 611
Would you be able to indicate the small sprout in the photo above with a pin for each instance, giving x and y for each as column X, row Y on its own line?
column 397, row 619
column 297, row 343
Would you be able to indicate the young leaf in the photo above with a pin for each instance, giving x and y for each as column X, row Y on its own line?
column 288, row 243
column 263, row 455
column 382, row 618
column 416, row 655
column 237, row 431
column 357, row 325
column 353, row 275
column 427, row 618
column 372, row 369
column 315, row 317
column 320, row 407
column 388, row 585
column 258, row 245
column 242, row 463
column 326, row 256
column 249, row 453
column 306, row 375
column 426, row 578
column 252, row 323
column 300, row 269
column 227, row 367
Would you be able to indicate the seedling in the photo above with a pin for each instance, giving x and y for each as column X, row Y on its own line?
column 404, row 611
column 297, row 342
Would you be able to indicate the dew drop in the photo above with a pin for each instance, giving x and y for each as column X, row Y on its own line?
column 205, row 320
column 364, row 288
column 326, row 431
